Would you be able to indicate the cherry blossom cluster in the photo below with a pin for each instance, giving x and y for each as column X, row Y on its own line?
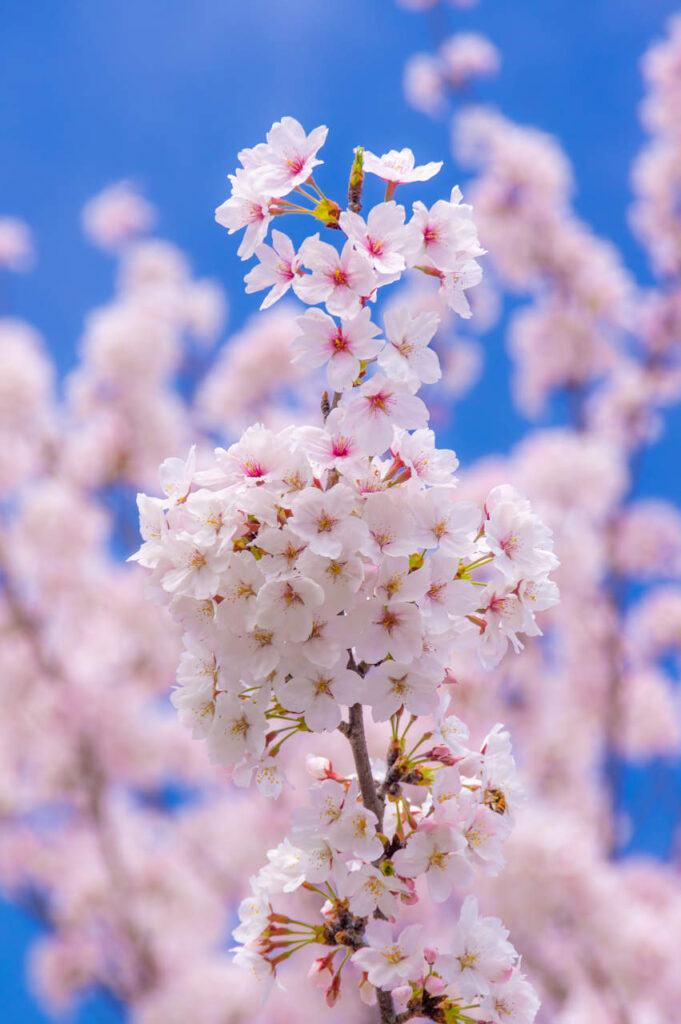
column 135, row 891
column 339, row 851
column 440, row 241
column 325, row 567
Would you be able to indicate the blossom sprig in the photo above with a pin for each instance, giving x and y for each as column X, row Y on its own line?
column 441, row 242
column 329, row 855
column 329, row 567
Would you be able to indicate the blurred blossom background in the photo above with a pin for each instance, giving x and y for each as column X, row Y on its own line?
column 126, row 335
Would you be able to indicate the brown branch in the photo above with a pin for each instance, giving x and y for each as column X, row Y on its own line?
column 385, row 1006
column 353, row 730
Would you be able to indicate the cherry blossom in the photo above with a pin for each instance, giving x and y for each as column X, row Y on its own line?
column 388, row 959
column 318, row 693
column 381, row 236
column 326, row 522
column 246, row 207
column 344, row 345
column 399, row 167
column 289, row 603
column 437, row 852
column 408, row 357
column 340, row 280
column 290, row 156
column 379, row 406
column 276, row 270
column 443, row 237
column 238, row 727
column 393, row 685
column 480, row 956
column 335, row 446
column 369, row 890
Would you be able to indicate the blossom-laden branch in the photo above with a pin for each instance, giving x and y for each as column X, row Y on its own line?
column 329, row 566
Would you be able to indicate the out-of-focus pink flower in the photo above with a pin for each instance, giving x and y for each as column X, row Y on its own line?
column 117, row 215
column 467, row 56
column 424, row 85
column 16, row 245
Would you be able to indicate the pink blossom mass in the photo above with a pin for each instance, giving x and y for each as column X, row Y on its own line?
column 336, row 723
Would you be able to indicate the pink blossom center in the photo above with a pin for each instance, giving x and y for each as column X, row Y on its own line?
column 440, row 529
column 296, row 165
column 404, row 347
column 430, row 234
column 340, row 446
column 393, row 954
column 383, row 537
column 291, row 596
column 325, row 523
column 508, row 545
column 399, row 685
column 322, row 685
column 380, row 401
column 389, row 620
column 253, row 469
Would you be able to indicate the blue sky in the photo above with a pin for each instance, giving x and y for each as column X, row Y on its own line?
column 166, row 92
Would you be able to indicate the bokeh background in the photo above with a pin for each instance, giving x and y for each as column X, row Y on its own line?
column 165, row 92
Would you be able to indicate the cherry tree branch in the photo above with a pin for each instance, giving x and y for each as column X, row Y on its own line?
column 353, row 730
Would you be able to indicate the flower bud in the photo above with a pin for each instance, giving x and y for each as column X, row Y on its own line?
column 318, row 767
column 356, row 181
column 434, row 986
column 401, row 996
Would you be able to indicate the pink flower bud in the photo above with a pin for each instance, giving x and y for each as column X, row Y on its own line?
column 328, row 910
column 410, row 897
column 442, row 754
column 367, row 992
column 401, row 996
column 318, row 968
column 333, row 991
column 318, row 767
column 434, row 986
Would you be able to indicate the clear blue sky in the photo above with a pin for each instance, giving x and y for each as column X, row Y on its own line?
column 167, row 91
